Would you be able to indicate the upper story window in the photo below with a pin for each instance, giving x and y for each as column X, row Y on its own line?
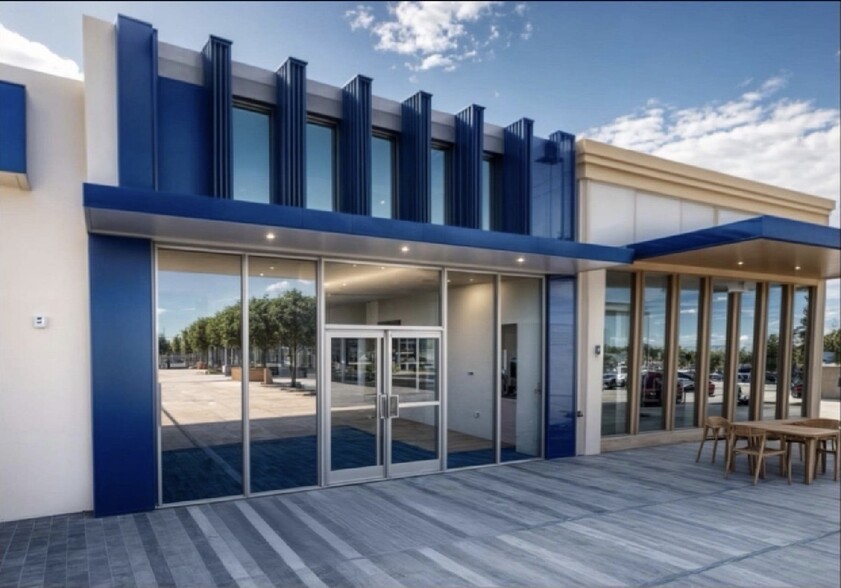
column 321, row 165
column 383, row 176
column 489, row 189
column 252, row 153
column 439, row 182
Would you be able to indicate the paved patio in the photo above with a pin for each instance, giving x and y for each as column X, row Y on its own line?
column 647, row 517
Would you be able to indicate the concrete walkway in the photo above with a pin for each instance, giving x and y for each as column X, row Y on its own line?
column 646, row 517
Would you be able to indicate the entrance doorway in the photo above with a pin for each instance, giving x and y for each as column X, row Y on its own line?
column 383, row 395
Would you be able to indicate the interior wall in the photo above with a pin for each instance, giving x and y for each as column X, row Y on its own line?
column 470, row 360
column 521, row 303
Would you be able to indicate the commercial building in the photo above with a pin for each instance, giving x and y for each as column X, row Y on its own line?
column 221, row 281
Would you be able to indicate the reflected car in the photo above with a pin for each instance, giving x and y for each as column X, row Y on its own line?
column 797, row 389
column 688, row 380
column 651, row 389
column 742, row 398
column 609, row 381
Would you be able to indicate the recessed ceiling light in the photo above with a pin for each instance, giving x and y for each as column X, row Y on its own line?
column 448, row 281
column 270, row 236
column 740, row 263
column 521, row 260
column 405, row 249
column 271, row 267
column 262, row 274
column 382, row 267
column 471, row 279
column 797, row 268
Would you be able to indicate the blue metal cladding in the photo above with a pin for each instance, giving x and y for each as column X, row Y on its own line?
column 218, row 85
column 514, row 204
column 561, row 357
column 565, row 146
column 355, row 148
column 184, row 138
column 12, row 128
column 414, row 197
column 465, row 206
column 122, row 375
column 290, row 134
column 137, row 102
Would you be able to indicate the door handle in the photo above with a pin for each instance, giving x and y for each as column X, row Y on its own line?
column 384, row 407
column 393, row 406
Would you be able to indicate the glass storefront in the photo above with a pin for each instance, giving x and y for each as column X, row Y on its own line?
column 243, row 409
column 715, row 322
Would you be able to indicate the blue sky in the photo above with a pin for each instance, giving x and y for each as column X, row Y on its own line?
column 747, row 88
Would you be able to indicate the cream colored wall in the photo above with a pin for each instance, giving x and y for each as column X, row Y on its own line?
column 45, row 416
column 591, row 301
column 616, row 215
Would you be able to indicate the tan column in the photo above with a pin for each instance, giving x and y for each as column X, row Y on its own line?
column 702, row 359
column 784, row 362
column 633, row 379
column 760, row 338
column 731, row 354
column 670, row 351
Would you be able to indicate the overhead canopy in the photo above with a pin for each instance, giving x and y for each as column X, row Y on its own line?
column 765, row 244
column 200, row 220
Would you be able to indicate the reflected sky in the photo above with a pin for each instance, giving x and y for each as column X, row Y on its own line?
column 251, row 155
column 438, row 163
column 320, row 166
column 382, row 176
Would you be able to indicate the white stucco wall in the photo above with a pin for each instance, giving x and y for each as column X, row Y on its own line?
column 45, row 415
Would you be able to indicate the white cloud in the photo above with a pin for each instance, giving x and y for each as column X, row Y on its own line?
column 436, row 35
column 277, row 287
column 528, row 29
column 17, row 50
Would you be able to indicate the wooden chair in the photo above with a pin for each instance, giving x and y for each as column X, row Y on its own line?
column 757, row 449
column 825, row 446
column 715, row 428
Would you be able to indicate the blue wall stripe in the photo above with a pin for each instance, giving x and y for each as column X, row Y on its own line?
column 137, row 94
column 561, row 357
column 122, row 375
column 414, row 197
column 290, row 128
column 217, row 82
column 465, row 207
column 184, row 138
column 12, row 127
column 514, row 203
column 355, row 147
column 565, row 143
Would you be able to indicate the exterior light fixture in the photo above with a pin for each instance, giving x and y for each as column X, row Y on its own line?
column 405, row 249
column 521, row 259
column 797, row 268
column 740, row 263
column 270, row 236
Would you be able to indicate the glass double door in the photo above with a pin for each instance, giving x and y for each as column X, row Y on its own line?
column 384, row 404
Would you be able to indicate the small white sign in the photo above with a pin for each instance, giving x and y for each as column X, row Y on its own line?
column 39, row 321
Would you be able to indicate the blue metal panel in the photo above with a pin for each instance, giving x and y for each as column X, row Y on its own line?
column 137, row 97
column 184, row 133
column 561, row 357
column 218, row 84
column 12, row 128
column 355, row 148
column 514, row 204
column 465, row 207
column 122, row 375
column 565, row 149
column 290, row 128
column 145, row 202
column 414, row 198
column 762, row 227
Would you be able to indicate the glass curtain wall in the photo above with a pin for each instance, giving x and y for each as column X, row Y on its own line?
column 687, row 354
column 521, row 345
column 653, row 393
column 617, row 339
column 772, row 352
column 718, row 347
column 282, row 373
column 487, row 190
column 200, row 375
column 799, row 352
column 471, row 346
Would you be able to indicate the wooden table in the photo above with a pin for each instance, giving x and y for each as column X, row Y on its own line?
column 809, row 435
